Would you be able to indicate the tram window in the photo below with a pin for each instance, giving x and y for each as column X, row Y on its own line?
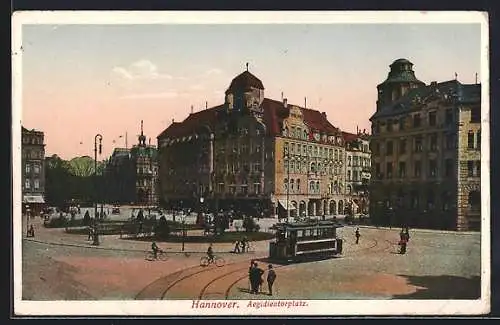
column 300, row 233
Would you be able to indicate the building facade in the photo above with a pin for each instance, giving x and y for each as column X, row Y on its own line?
column 426, row 152
column 253, row 154
column 33, row 171
column 131, row 174
column 358, row 170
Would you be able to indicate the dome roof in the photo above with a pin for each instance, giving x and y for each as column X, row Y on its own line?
column 401, row 61
column 401, row 71
column 245, row 81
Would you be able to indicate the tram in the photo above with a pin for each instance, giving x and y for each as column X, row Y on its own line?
column 300, row 240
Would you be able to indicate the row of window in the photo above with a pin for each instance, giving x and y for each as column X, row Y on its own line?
column 298, row 167
column 35, row 167
column 32, row 140
column 313, row 151
column 356, row 176
column 33, row 154
column 240, row 189
column 314, row 186
column 358, row 161
column 27, row 184
column 418, row 144
column 243, row 148
column 432, row 120
column 401, row 172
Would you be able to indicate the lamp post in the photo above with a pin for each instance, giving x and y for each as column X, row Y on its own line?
column 183, row 219
column 97, row 137
column 286, row 158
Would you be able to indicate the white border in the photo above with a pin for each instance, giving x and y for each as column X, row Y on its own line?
column 183, row 307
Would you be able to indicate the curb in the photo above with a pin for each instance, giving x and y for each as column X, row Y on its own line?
column 119, row 249
column 421, row 230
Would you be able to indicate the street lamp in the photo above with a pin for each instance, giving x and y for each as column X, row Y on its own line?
column 98, row 136
column 183, row 219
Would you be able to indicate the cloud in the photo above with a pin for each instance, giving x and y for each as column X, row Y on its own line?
column 213, row 71
column 165, row 94
column 142, row 69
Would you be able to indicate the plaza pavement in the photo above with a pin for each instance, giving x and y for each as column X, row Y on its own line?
column 438, row 265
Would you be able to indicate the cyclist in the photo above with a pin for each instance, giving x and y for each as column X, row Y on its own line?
column 155, row 249
column 210, row 254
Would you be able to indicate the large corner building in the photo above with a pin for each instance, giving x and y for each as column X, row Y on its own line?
column 426, row 152
column 254, row 154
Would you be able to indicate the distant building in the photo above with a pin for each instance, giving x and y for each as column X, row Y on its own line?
column 426, row 152
column 132, row 174
column 358, row 170
column 33, row 170
column 253, row 154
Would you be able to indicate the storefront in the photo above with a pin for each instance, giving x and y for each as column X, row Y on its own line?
column 33, row 204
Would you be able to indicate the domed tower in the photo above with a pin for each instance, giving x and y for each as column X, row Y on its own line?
column 245, row 93
column 400, row 80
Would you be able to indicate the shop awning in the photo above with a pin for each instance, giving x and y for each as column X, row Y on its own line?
column 283, row 204
column 33, row 199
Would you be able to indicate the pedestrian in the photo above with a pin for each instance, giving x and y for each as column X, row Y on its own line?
column 271, row 277
column 402, row 242
column 91, row 232
column 357, row 235
column 258, row 277
column 250, row 277
column 237, row 247
column 407, row 234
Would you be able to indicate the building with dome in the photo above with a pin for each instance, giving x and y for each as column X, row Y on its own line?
column 253, row 154
column 426, row 152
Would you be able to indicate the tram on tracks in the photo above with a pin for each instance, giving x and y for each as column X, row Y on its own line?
column 298, row 240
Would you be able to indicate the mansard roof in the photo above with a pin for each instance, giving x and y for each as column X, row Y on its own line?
column 274, row 114
column 451, row 90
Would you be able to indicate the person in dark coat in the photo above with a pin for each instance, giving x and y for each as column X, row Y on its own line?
column 271, row 277
column 357, row 234
column 256, row 278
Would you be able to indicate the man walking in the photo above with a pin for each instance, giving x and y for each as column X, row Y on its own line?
column 357, row 235
column 271, row 276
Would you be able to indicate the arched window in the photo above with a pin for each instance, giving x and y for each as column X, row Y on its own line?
column 292, row 166
column 349, row 189
column 291, row 184
column 317, row 186
column 311, row 186
column 285, row 184
column 319, row 168
column 313, row 167
column 298, row 185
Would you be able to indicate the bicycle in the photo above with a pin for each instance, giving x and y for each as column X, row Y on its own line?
column 218, row 261
column 160, row 255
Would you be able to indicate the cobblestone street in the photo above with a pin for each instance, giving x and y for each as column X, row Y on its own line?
column 438, row 265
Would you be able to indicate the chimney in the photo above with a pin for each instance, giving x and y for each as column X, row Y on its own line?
column 324, row 114
column 305, row 102
column 281, row 95
column 191, row 109
column 476, row 78
column 285, row 102
column 206, row 105
column 149, row 141
column 172, row 121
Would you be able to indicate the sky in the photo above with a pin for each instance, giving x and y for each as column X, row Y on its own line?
column 80, row 80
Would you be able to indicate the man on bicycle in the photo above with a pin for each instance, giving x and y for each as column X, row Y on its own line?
column 155, row 249
column 210, row 254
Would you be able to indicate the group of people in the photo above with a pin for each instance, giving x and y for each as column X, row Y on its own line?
column 255, row 274
column 241, row 246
